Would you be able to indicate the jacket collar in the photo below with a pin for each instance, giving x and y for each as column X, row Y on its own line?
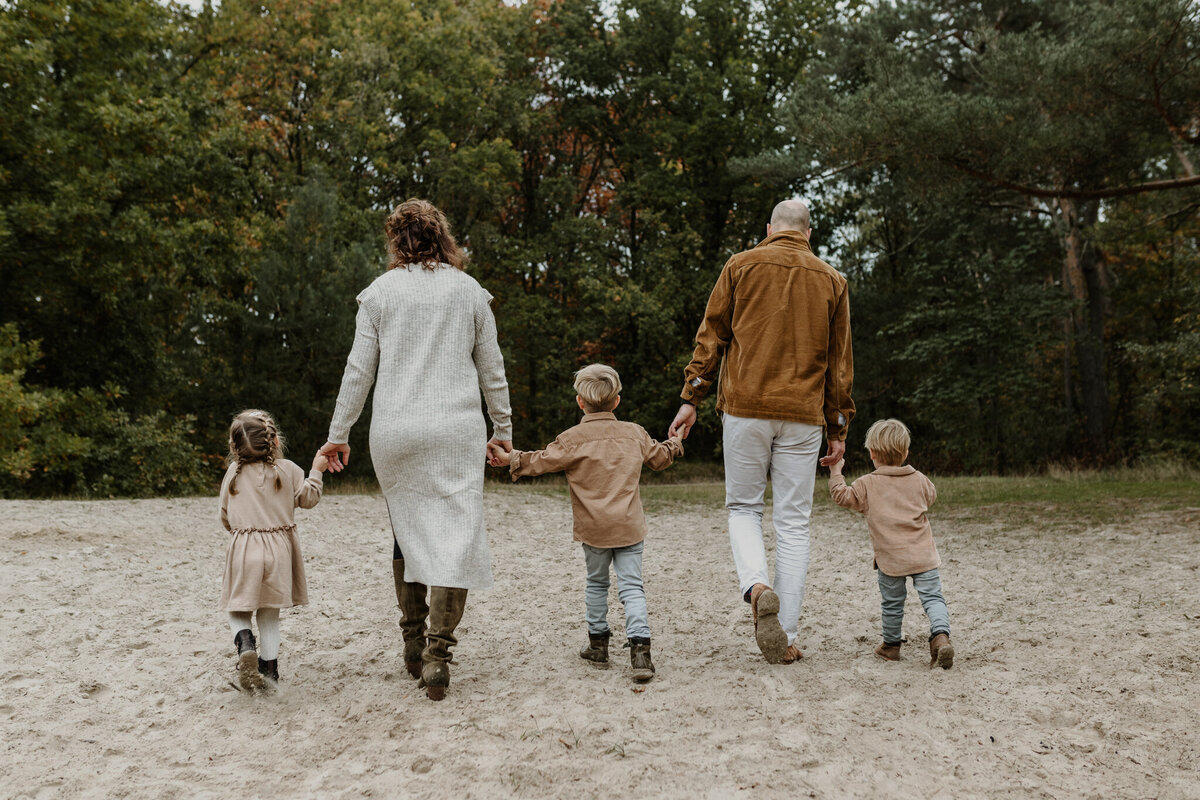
column 907, row 469
column 791, row 239
column 598, row 416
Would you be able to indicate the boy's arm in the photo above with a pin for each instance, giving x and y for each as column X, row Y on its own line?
column 930, row 492
column 660, row 455
column 853, row 497
column 555, row 458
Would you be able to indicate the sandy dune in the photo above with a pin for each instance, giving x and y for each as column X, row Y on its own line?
column 1076, row 676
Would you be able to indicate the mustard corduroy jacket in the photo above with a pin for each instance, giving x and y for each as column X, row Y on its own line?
column 777, row 328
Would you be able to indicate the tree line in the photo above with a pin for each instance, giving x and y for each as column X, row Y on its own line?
column 190, row 199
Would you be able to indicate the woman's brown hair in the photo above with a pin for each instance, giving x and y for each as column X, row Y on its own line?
column 418, row 233
column 254, row 438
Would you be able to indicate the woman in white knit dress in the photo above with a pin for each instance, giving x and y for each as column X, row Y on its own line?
column 426, row 337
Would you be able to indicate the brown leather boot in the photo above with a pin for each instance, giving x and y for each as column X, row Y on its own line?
column 639, row 660
column 768, row 633
column 597, row 649
column 446, row 606
column 941, row 652
column 413, row 613
column 888, row 652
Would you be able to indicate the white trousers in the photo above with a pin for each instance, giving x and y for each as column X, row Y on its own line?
column 789, row 450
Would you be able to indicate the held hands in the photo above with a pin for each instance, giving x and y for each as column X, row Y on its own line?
column 320, row 462
column 681, row 426
column 499, row 452
column 338, row 455
column 836, row 469
column 834, row 454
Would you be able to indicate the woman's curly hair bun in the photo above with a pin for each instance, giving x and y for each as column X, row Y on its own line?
column 418, row 233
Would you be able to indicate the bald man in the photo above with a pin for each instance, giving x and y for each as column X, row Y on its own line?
column 777, row 327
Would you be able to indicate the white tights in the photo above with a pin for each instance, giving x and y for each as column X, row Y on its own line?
column 268, row 630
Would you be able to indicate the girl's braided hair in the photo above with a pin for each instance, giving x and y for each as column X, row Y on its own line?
column 418, row 233
column 254, row 438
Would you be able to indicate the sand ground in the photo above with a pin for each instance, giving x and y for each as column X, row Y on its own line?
column 1076, row 675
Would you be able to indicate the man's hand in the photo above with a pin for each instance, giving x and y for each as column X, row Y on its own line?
column 338, row 455
column 834, row 454
column 683, row 422
column 497, row 449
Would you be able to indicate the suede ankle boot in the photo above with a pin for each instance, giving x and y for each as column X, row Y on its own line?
column 414, row 611
column 888, row 652
column 446, row 606
column 597, row 649
column 941, row 652
column 248, row 676
column 639, row 659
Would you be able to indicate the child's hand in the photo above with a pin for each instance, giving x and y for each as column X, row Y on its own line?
column 320, row 463
column 836, row 469
column 676, row 434
column 500, row 458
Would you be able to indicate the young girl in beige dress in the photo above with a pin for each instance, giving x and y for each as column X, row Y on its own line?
column 264, row 571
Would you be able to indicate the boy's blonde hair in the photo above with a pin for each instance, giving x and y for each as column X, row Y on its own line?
column 598, row 385
column 889, row 439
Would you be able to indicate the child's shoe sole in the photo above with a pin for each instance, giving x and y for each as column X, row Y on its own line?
column 769, row 634
column 248, row 675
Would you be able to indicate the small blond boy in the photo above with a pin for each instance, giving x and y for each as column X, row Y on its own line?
column 603, row 459
column 896, row 501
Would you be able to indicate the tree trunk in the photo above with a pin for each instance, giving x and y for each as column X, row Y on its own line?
column 1084, row 283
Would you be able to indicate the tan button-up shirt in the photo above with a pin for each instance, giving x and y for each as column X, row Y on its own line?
column 603, row 459
column 896, row 502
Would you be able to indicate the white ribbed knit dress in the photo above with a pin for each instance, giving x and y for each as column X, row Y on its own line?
column 427, row 339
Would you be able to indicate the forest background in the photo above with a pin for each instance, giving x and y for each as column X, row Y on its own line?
column 191, row 198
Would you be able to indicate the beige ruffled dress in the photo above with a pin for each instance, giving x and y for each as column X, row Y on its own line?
column 263, row 565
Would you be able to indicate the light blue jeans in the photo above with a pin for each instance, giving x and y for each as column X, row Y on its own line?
column 894, row 591
column 627, row 563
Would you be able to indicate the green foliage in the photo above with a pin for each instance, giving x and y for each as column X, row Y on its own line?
column 83, row 443
column 978, row 147
column 191, row 199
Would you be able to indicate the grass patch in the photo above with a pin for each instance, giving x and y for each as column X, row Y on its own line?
column 1060, row 497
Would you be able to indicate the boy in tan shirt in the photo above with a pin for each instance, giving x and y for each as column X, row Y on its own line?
column 896, row 501
column 603, row 459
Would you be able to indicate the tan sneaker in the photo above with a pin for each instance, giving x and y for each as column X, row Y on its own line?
column 888, row 652
column 772, row 641
column 941, row 652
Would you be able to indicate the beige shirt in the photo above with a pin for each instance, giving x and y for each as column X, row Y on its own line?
column 603, row 459
column 257, row 506
column 896, row 502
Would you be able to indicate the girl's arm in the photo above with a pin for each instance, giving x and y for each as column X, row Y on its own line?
column 225, row 499
column 308, row 490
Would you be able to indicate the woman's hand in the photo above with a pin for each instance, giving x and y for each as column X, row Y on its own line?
column 496, row 449
column 338, row 455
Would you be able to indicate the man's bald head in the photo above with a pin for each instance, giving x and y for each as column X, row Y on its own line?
column 790, row 215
